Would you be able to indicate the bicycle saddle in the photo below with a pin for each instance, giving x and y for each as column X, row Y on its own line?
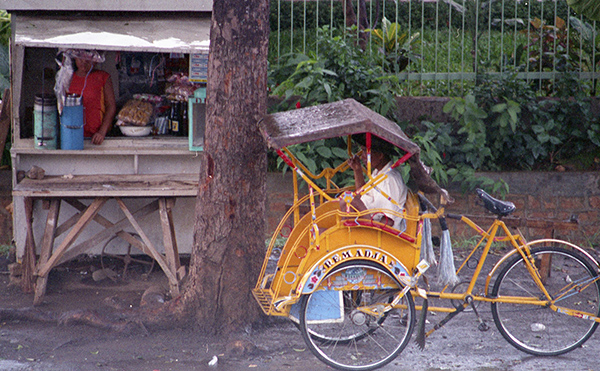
column 498, row 207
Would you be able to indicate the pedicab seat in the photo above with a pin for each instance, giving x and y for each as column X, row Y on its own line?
column 383, row 227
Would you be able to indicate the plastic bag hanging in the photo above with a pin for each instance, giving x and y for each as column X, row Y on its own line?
column 63, row 79
column 447, row 270
column 427, row 253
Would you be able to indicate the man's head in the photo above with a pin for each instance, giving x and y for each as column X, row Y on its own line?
column 84, row 65
column 381, row 150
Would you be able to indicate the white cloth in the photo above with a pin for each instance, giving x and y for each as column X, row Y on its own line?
column 394, row 187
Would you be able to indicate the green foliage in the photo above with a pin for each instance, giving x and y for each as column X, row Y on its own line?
column 4, row 59
column 497, row 133
column 305, row 15
column 319, row 155
column 340, row 69
column 469, row 180
column 551, row 47
column 5, row 250
column 589, row 8
column 395, row 47
column 432, row 141
column 4, row 27
column 437, row 141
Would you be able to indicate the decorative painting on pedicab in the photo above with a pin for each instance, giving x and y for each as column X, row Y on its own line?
column 360, row 278
column 357, row 279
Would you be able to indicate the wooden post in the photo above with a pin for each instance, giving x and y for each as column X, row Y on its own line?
column 171, row 275
column 546, row 262
column 170, row 241
column 4, row 120
column 85, row 219
column 29, row 256
column 47, row 245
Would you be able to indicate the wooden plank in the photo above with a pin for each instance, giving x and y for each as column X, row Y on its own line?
column 158, row 257
column 46, row 248
column 102, row 185
column 108, row 224
column 85, row 219
column 170, row 242
column 545, row 267
column 4, row 120
column 107, row 233
column 66, row 225
column 29, row 257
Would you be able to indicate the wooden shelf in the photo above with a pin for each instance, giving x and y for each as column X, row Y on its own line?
column 106, row 185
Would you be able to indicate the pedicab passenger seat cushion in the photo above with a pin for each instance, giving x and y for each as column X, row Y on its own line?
column 383, row 227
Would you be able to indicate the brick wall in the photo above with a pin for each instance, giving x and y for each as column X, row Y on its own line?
column 552, row 196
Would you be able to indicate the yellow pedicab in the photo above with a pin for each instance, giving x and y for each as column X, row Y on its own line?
column 343, row 277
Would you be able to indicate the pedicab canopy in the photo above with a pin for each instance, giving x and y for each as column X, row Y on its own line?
column 340, row 119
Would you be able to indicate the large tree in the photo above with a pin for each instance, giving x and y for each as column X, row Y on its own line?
column 230, row 207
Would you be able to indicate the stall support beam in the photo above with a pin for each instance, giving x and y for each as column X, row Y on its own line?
column 46, row 252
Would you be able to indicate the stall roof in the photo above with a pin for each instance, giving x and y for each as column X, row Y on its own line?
column 331, row 120
column 169, row 33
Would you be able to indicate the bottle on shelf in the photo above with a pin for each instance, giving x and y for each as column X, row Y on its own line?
column 175, row 118
column 183, row 126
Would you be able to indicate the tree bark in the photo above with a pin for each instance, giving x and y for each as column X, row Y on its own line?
column 229, row 230
column 362, row 23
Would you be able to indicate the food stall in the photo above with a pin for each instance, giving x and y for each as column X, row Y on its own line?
column 70, row 201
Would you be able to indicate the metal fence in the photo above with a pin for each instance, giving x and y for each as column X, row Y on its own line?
column 454, row 42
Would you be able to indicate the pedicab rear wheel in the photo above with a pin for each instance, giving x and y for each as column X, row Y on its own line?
column 348, row 339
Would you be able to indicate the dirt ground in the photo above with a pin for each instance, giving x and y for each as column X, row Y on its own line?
column 275, row 344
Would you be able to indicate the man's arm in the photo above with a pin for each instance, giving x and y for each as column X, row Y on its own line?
column 355, row 165
column 109, row 114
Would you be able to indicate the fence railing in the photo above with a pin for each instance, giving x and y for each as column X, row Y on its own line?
column 453, row 41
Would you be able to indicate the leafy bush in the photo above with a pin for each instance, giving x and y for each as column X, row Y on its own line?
column 339, row 69
column 4, row 41
column 502, row 125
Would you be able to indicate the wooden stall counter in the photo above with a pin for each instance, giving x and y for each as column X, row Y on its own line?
column 162, row 189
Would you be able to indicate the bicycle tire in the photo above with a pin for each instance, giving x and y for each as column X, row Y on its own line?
column 539, row 330
column 354, row 341
column 347, row 337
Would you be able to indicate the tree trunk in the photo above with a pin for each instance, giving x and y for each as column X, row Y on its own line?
column 350, row 14
column 362, row 23
column 229, row 231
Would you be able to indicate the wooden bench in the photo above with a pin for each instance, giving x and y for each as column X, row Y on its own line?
column 162, row 189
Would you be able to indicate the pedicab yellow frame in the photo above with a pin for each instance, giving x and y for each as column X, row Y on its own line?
column 326, row 236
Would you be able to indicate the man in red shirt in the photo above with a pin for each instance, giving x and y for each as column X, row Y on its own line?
column 98, row 96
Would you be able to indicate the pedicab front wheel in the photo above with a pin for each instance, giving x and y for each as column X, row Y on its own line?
column 346, row 338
